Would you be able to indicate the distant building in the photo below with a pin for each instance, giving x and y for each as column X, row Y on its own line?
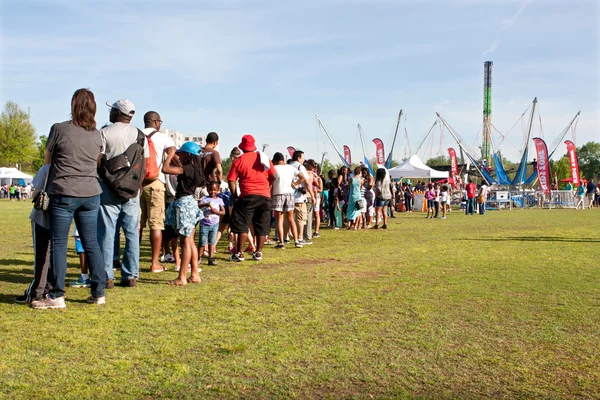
column 180, row 138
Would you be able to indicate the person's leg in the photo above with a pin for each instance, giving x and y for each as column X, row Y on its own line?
column 202, row 242
column 299, row 210
column 156, row 221
column 62, row 209
column 108, row 215
column 385, row 216
column 378, row 210
column 436, row 206
column 279, row 221
column 175, row 249
column 41, row 245
column 86, row 218
column 212, row 240
column 194, row 271
column 116, row 257
column 130, row 218
column 309, row 221
column 186, row 255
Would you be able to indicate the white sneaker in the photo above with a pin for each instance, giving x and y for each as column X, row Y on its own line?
column 96, row 300
column 48, row 303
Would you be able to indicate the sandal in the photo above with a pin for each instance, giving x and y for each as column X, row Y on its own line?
column 156, row 271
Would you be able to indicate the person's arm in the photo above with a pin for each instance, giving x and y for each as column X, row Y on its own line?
column 171, row 169
column 309, row 188
column 300, row 179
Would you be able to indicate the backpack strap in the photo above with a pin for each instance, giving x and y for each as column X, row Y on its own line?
column 152, row 134
column 140, row 137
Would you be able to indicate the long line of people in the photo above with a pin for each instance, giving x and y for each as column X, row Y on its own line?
column 123, row 178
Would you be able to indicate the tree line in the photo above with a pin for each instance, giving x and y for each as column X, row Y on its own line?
column 19, row 146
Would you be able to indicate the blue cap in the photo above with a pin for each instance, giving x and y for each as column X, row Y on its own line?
column 190, row 147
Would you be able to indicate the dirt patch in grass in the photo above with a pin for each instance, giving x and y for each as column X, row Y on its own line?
column 361, row 274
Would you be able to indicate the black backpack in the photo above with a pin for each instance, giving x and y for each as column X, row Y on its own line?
column 124, row 173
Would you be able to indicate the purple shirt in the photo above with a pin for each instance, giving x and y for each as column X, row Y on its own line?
column 209, row 218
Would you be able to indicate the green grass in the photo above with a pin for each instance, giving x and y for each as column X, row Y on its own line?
column 502, row 305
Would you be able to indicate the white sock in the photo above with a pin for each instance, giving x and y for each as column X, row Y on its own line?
column 84, row 277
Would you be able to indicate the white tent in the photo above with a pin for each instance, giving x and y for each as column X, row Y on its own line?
column 13, row 175
column 415, row 168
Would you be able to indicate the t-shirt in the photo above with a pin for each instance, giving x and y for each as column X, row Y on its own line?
column 580, row 190
column 284, row 176
column 299, row 197
column 116, row 138
column 471, row 188
column 429, row 194
column 186, row 182
column 161, row 143
column 383, row 188
column 40, row 217
column 484, row 190
column 251, row 174
column 211, row 158
column 209, row 218
column 75, row 152
column 591, row 188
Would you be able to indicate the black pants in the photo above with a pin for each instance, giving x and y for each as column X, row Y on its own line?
column 41, row 248
column 408, row 203
column 436, row 205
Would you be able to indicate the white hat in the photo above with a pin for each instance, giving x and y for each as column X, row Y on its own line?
column 125, row 106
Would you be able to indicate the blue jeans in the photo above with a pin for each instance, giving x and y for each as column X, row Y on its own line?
column 208, row 234
column 113, row 209
column 470, row 209
column 85, row 211
column 482, row 208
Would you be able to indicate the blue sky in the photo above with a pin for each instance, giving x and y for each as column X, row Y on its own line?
column 267, row 67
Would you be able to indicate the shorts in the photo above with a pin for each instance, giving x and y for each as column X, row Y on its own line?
column 382, row 203
column 252, row 209
column 208, row 233
column 183, row 215
column 430, row 204
column 444, row 199
column 78, row 246
column 300, row 214
column 590, row 197
column 152, row 203
column 283, row 202
column 317, row 205
column 363, row 209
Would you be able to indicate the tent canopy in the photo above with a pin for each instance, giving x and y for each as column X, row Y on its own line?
column 13, row 175
column 415, row 168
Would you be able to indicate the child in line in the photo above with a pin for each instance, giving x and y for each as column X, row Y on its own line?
column 84, row 280
column 183, row 213
column 212, row 207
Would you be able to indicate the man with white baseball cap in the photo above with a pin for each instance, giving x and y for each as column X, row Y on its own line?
column 116, row 138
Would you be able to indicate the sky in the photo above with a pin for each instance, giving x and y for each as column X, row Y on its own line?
column 268, row 67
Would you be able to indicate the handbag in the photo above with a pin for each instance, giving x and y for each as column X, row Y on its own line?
column 360, row 204
column 41, row 201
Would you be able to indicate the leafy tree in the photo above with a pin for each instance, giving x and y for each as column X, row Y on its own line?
column 438, row 161
column 562, row 169
column 38, row 161
column 589, row 160
column 226, row 166
column 17, row 136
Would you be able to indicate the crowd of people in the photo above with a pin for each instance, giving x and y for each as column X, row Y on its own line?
column 15, row 192
column 121, row 178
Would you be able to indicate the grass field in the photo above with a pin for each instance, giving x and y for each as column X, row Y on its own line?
column 501, row 305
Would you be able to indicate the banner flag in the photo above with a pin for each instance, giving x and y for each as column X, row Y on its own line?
column 543, row 167
column 453, row 165
column 291, row 150
column 572, row 152
column 379, row 152
column 347, row 155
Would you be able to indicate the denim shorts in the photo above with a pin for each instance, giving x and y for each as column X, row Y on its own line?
column 208, row 233
column 381, row 202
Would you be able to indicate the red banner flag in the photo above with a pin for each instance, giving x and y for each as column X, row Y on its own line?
column 453, row 165
column 379, row 152
column 572, row 152
column 347, row 155
column 291, row 150
column 543, row 167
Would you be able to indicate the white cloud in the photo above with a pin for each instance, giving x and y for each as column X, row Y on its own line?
column 492, row 48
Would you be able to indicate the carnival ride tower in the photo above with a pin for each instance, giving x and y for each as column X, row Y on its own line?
column 486, row 144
